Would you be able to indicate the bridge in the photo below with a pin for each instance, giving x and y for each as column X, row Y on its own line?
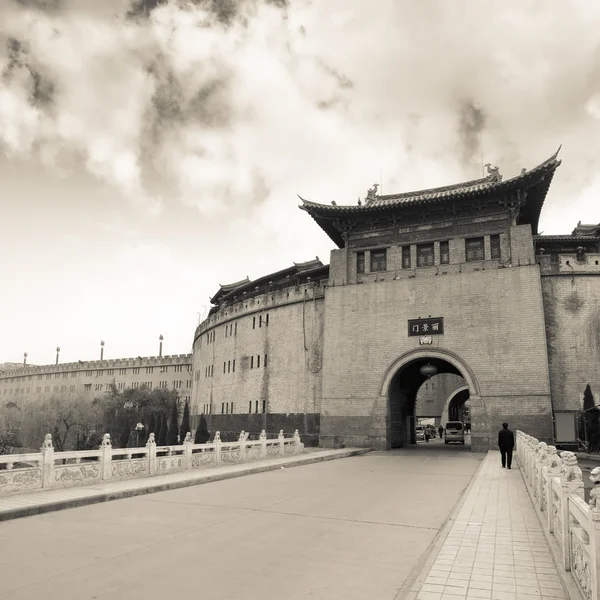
column 428, row 522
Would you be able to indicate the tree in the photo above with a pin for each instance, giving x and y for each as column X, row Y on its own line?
column 591, row 419
column 185, row 423
column 202, row 434
column 588, row 398
column 152, row 424
column 162, row 440
column 173, row 431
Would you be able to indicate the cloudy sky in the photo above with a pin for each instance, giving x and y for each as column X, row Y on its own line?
column 152, row 150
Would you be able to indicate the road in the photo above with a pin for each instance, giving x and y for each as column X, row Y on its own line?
column 352, row 528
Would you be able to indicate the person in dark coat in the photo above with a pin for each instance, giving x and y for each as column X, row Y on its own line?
column 506, row 443
column 441, row 431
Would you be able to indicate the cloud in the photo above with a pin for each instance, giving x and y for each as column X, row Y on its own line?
column 233, row 107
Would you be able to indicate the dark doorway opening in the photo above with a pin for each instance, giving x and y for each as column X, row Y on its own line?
column 402, row 395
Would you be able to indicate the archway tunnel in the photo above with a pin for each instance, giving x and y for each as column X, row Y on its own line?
column 402, row 396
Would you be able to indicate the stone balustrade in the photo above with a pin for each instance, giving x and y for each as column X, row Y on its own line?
column 555, row 485
column 21, row 473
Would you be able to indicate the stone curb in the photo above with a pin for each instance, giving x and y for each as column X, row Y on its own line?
column 567, row 582
column 27, row 511
column 420, row 571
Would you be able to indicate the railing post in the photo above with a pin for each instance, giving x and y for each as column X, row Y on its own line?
column 298, row 445
column 281, row 438
column 217, row 443
column 571, row 483
column 539, row 481
column 187, row 450
column 594, row 504
column 47, row 464
column 263, row 443
column 242, row 440
column 553, row 469
column 151, row 445
column 106, row 457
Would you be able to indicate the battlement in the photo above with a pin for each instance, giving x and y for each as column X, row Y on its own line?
column 147, row 361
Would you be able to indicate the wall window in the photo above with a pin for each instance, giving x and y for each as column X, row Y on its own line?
column 136, row 370
column 406, row 257
column 149, row 369
column 224, row 366
column 164, row 369
column 425, row 255
column 445, row 253
column 253, row 322
column 258, row 361
column 495, row 246
column 222, row 408
column 474, row 249
column 250, row 406
column 360, row 262
column 378, row 261
column 229, row 366
column 110, row 372
column 265, row 363
column 87, row 387
column 257, row 406
column 178, row 368
column 233, row 366
column 264, row 406
column 252, row 362
column 235, row 329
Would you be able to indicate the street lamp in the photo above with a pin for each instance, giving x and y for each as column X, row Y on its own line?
column 138, row 429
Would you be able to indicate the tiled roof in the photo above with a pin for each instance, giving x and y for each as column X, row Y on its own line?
column 537, row 181
column 475, row 187
column 228, row 287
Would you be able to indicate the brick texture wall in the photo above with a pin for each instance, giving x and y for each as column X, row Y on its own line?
column 493, row 321
column 572, row 308
column 293, row 344
column 433, row 394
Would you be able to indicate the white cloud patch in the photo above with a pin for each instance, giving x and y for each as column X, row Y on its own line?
column 229, row 112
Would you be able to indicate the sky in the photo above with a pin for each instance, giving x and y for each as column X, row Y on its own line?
column 150, row 151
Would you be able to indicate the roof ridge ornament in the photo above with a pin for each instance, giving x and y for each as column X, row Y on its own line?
column 372, row 193
column 493, row 172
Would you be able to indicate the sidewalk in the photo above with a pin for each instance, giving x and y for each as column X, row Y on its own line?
column 495, row 549
column 35, row 503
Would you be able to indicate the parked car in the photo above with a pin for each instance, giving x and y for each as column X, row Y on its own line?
column 455, row 432
column 420, row 433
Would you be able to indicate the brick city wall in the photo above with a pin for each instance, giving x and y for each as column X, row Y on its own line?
column 493, row 321
column 572, row 310
column 290, row 383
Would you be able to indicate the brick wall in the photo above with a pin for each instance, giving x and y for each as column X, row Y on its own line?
column 493, row 321
column 572, row 310
column 292, row 342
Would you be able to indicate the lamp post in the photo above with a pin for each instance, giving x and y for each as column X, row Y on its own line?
column 57, row 353
column 138, row 429
column 24, row 358
column 102, row 350
column 160, row 339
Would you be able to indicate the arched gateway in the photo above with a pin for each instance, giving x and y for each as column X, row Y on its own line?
column 402, row 380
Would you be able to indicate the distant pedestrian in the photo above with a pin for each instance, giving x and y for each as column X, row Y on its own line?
column 427, row 434
column 441, row 431
column 506, row 443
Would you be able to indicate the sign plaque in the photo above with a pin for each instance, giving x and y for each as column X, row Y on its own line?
column 426, row 327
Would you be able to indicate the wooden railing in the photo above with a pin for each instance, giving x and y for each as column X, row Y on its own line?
column 555, row 485
column 21, row 473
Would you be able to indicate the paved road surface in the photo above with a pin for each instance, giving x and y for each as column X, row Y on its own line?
column 350, row 529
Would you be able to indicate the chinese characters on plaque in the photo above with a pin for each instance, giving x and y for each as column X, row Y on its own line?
column 430, row 326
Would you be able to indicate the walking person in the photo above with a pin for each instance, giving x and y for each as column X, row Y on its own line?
column 506, row 443
column 427, row 434
column 441, row 431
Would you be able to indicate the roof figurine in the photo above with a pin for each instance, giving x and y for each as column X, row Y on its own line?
column 493, row 172
column 372, row 193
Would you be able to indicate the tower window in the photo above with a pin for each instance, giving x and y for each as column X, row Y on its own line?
column 445, row 253
column 495, row 246
column 424, row 255
column 378, row 261
column 406, row 257
column 360, row 262
column 474, row 249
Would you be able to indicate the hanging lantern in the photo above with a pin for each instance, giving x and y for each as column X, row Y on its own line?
column 428, row 370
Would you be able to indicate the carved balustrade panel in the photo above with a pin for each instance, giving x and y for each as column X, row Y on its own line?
column 129, row 469
column 66, row 476
column 580, row 562
column 19, row 481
